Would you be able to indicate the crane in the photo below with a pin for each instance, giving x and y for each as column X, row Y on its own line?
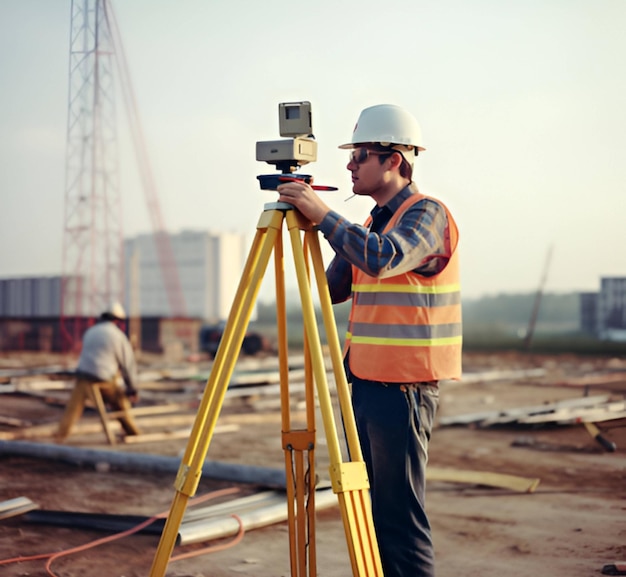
column 93, row 264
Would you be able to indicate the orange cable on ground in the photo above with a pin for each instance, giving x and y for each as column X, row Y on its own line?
column 54, row 556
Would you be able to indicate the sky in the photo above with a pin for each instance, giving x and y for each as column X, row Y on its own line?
column 521, row 106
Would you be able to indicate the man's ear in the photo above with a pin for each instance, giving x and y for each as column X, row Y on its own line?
column 396, row 160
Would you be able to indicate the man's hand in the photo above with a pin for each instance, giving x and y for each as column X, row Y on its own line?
column 305, row 199
column 132, row 394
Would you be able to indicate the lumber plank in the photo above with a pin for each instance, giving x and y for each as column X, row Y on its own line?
column 158, row 409
column 490, row 479
column 511, row 414
column 573, row 415
column 14, row 422
column 597, row 379
column 85, row 427
column 146, row 417
column 498, row 375
column 88, row 426
column 170, row 435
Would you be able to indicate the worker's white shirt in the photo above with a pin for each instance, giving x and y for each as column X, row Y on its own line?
column 107, row 350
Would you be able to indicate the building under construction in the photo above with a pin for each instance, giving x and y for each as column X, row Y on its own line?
column 209, row 266
column 603, row 313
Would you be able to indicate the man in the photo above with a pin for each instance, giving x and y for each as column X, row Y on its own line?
column 106, row 355
column 404, row 335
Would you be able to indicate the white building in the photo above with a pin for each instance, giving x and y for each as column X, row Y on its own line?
column 209, row 268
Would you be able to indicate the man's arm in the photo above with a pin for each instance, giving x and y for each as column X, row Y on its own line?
column 127, row 364
column 417, row 243
column 339, row 277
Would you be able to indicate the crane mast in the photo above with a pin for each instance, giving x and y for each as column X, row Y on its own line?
column 92, row 239
column 93, row 261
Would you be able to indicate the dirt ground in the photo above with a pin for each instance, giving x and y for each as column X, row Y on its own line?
column 573, row 524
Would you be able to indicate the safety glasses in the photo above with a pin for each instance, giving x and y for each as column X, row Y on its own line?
column 361, row 154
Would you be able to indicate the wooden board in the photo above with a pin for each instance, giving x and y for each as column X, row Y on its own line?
column 574, row 415
column 487, row 418
column 500, row 480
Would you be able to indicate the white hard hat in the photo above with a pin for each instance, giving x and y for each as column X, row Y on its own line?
column 387, row 124
column 115, row 309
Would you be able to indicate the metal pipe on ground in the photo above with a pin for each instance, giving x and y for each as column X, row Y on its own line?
column 271, row 509
column 143, row 462
column 198, row 526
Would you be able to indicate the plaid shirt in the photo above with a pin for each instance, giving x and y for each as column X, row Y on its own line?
column 417, row 243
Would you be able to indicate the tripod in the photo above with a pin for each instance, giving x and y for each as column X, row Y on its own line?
column 349, row 479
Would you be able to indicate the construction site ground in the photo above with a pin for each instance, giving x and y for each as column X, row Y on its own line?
column 573, row 523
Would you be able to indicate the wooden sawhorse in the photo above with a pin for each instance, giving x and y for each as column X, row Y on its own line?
column 97, row 392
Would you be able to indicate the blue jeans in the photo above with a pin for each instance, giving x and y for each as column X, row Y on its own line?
column 394, row 424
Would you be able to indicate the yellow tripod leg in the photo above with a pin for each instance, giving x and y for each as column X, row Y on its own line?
column 349, row 480
column 334, row 346
column 298, row 446
column 190, row 469
column 359, row 499
column 310, row 482
column 283, row 366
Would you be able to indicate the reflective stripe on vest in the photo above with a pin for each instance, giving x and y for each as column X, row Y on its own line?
column 407, row 328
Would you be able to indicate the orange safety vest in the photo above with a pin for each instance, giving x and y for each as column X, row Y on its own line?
column 407, row 328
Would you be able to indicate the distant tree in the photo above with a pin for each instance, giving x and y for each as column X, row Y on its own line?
column 514, row 310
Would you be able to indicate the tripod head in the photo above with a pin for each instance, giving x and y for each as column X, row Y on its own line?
column 289, row 154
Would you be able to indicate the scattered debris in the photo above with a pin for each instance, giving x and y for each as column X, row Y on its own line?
column 532, row 443
column 607, row 445
column 584, row 410
column 617, row 568
column 568, row 411
column 17, row 506
column 611, row 381
column 602, row 411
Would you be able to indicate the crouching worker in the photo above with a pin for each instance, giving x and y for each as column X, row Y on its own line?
column 106, row 356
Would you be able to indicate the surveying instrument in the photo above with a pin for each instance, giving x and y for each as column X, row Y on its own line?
column 348, row 478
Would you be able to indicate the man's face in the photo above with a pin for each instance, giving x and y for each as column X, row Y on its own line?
column 368, row 173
